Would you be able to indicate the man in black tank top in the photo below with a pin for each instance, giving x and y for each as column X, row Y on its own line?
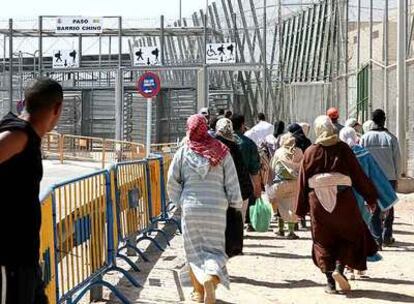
column 20, row 175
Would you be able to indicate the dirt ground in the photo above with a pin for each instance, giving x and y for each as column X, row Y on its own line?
column 276, row 270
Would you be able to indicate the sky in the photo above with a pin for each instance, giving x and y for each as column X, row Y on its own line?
column 129, row 8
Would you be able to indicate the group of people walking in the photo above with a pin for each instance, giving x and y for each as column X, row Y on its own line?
column 345, row 182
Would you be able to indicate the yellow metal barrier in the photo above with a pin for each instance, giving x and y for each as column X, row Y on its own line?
column 117, row 151
column 84, row 220
column 155, row 184
column 82, row 148
column 51, row 145
column 132, row 208
column 81, row 222
column 164, row 148
column 47, row 248
column 167, row 159
column 93, row 149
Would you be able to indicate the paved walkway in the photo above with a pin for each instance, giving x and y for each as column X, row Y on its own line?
column 55, row 172
column 275, row 270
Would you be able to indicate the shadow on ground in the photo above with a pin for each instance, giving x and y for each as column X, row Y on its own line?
column 279, row 255
column 142, row 276
column 288, row 284
column 380, row 295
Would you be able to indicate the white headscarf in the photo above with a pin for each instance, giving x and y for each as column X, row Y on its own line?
column 351, row 122
column 368, row 126
column 325, row 131
column 349, row 136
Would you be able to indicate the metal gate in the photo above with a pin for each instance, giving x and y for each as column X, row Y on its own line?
column 363, row 93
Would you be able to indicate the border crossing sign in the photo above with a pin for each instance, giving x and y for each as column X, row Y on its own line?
column 149, row 85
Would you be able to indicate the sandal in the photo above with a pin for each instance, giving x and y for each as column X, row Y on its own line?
column 197, row 297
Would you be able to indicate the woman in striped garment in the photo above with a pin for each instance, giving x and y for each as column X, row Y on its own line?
column 202, row 179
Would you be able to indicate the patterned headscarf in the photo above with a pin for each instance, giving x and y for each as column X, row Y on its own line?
column 224, row 128
column 202, row 143
column 349, row 136
column 325, row 131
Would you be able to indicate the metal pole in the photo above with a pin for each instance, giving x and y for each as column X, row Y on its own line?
column 264, row 58
column 118, row 103
column 80, row 50
column 10, row 65
column 40, row 45
column 205, row 70
column 346, row 58
column 100, row 58
column 149, row 126
column 385, row 48
column 181, row 16
column 21, row 75
column 359, row 36
column 370, row 86
column 4, row 52
column 401, row 80
column 120, row 41
column 281, row 64
column 162, row 40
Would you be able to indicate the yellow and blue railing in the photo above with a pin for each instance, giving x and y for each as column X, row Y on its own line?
column 87, row 222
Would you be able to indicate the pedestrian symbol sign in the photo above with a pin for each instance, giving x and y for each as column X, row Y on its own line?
column 64, row 59
column 220, row 53
column 147, row 55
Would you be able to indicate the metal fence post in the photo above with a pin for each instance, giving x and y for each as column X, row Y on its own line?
column 103, row 153
column 61, row 148
column 10, row 65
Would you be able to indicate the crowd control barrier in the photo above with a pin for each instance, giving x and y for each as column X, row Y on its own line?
column 92, row 149
column 158, row 175
column 47, row 247
column 87, row 222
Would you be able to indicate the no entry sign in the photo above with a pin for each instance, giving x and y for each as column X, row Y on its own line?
column 149, row 85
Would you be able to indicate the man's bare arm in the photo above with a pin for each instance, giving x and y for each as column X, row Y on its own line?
column 11, row 143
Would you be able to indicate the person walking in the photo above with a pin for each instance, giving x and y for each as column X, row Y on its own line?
column 234, row 231
column 251, row 159
column 333, row 114
column 282, row 192
column 340, row 236
column 225, row 134
column 20, row 175
column 302, row 142
column 387, row 197
column 384, row 147
column 202, row 180
column 273, row 140
column 260, row 131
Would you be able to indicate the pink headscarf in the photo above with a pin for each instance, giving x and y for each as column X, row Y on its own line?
column 202, row 143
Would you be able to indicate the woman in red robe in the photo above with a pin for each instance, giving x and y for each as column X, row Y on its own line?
column 340, row 236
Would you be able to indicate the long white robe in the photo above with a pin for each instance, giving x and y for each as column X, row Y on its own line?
column 204, row 194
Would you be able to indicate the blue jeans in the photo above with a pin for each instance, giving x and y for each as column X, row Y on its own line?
column 382, row 229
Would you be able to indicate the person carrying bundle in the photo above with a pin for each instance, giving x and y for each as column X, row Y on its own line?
column 282, row 191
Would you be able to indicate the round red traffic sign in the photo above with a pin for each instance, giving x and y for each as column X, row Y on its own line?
column 149, row 85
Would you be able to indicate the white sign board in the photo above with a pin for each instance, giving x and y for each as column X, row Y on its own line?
column 65, row 59
column 78, row 25
column 146, row 55
column 221, row 53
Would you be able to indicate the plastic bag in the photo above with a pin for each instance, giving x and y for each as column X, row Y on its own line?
column 261, row 215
